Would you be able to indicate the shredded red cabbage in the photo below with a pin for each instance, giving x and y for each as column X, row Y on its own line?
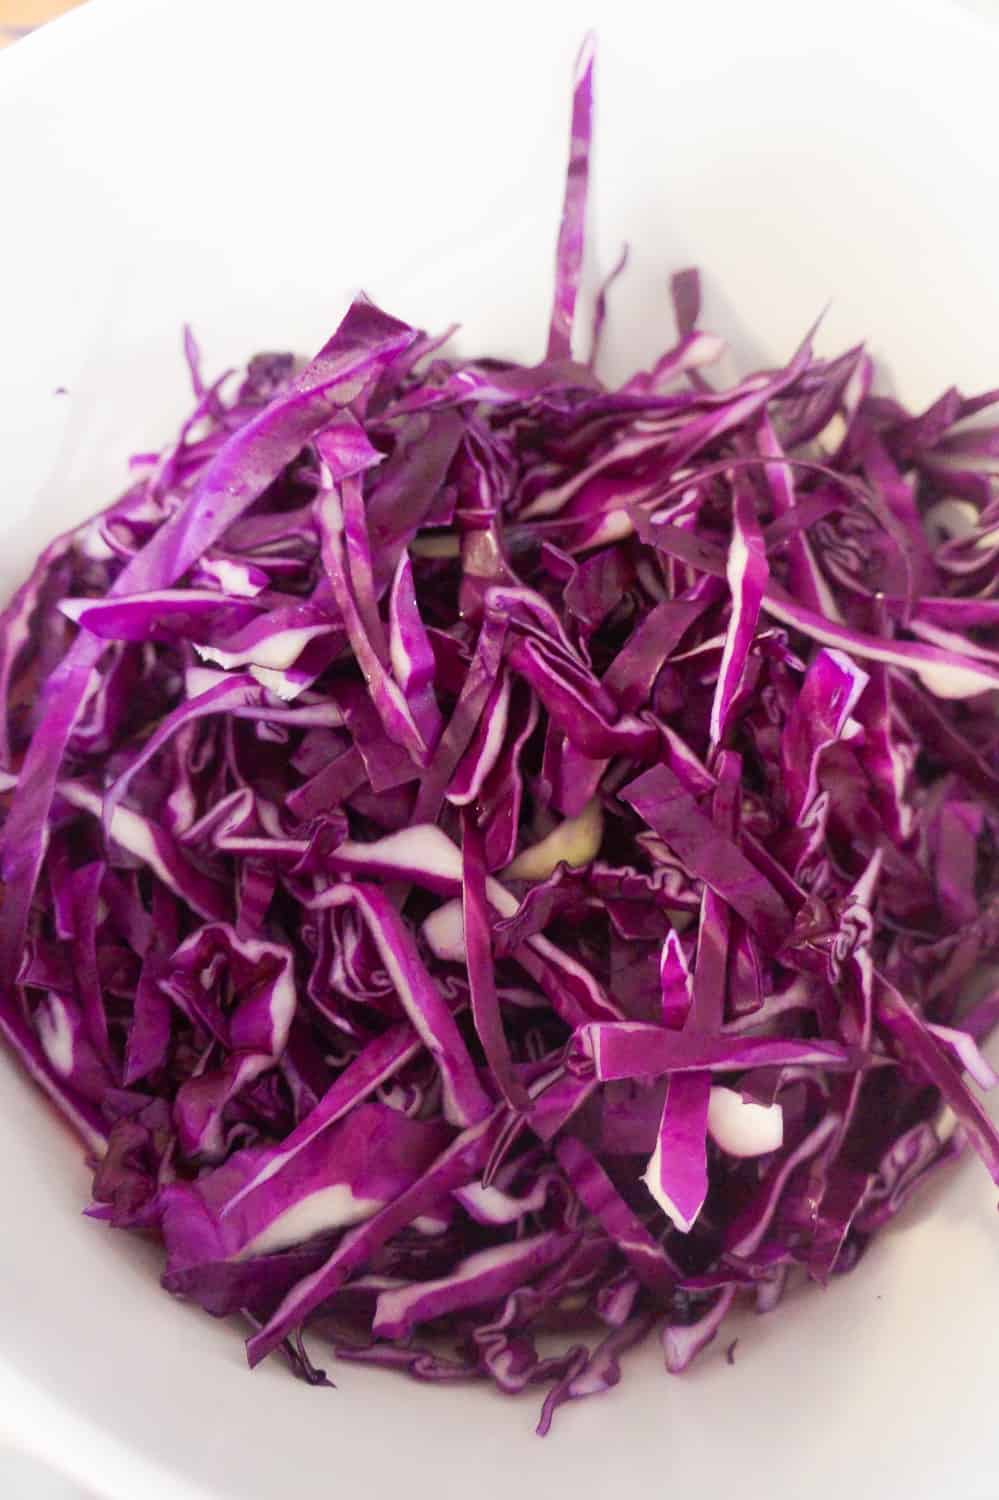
column 485, row 853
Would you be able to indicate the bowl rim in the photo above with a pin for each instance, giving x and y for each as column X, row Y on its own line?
column 33, row 1421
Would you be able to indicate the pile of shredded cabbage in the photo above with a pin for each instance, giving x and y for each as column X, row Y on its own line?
column 487, row 856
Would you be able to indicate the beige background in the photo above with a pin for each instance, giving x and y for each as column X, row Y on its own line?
column 19, row 16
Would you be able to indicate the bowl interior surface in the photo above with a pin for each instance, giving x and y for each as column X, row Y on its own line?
column 244, row 168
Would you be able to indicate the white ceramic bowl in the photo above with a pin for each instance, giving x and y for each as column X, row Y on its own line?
column 245, row 166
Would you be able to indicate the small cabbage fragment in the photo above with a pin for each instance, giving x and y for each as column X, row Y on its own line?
column 741, row 1126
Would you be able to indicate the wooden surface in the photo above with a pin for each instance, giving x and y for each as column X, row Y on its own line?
column 17, row 17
